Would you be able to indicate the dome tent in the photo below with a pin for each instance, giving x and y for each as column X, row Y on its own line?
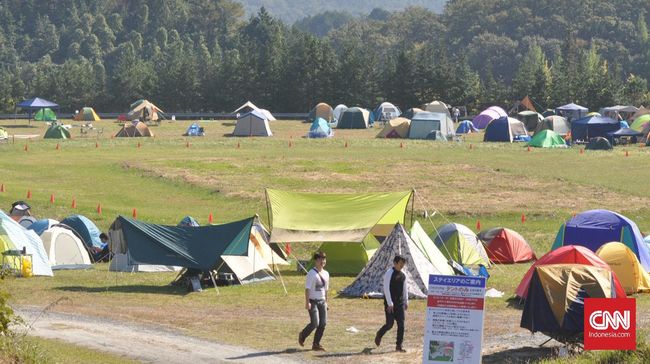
column 457, row 242
column 323, row 111
column 466, row 127
column 396, row 128
column 56, row 131
column 482, row 120
column 547, row 139
column 505, row 129
column 506, row 246
column 386, row 111
column 320, row 128
column 354, row 118
column 556, row 123
column 624, row 263
column 86, row 114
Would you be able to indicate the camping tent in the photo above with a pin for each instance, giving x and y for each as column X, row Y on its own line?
column 45, row 114
column 437, row 106
column 594, row 228
column 386, row 111
column 39, row 226
column 631, row 134
column 338, row 110
column 408, row 114
column 641, row 122
column 87, row 114
column 505, row 129
column 194, row 130
column 592, row 126
column 135, row 129
column 323, row 111
column 320, row 128
column 122, row 262
column 599, row 143
column 506, row 246
column 482, row 120
column 248, row 107
column 556, row 123
column 430, row 250
column 354, row 118
column 144, row 110
column 56, row 131
column 624, row 263
column 555, row 304
column 3, row 133
column 642, row 111
column 431, row 125
column 26, row 221
column 395, row 128
column 525, row 104
column 253, row 124
column 85, row 229
column 547, row 139
column 571, row 111
column 619, row 112
column 15, row 237
column 64, row 249
column 570, row 254
column 369, row 283
column 457, row 242
column 466, row 127
column 272, row 253
column 530, row 119
column 36, row 104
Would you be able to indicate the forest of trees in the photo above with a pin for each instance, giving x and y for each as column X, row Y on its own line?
column 206, row 55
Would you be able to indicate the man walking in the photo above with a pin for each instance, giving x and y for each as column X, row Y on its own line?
column 316, row 286
column 396, row 301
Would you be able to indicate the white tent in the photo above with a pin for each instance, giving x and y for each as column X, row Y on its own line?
column 14, row 236
column 260, row 239
column 427, row 125
column 64, row 249
column 254, row 123
column 248, row 268
column 338, row 110
column 248, row 106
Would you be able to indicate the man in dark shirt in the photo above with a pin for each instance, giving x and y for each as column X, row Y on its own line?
column 396, row 301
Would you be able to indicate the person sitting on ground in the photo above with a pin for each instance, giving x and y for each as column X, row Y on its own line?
column 102, row 253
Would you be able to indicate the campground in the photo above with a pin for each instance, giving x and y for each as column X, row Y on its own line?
column 170, row 176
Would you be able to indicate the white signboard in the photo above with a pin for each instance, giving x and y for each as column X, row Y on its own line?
column 453, row 332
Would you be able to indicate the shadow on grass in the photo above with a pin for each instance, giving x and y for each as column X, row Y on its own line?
column 520, row 355
column 136, row 288
column 364, row 352
column 262, row 354
column 18, row 126
column 515, row 302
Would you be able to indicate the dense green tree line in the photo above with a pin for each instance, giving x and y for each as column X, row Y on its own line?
column 204, row 55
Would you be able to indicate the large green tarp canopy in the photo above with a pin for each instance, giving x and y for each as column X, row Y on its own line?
column 184, row 246
column 326, row 217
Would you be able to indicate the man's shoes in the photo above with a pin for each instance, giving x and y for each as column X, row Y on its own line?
column 399, row 349
column 377, row 340
column 301, row 340
column 317, row 347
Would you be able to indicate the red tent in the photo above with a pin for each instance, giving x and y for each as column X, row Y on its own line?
column 568, row 254
column 505, row 246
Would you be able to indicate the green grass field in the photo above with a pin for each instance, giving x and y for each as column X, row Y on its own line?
column 165, row 179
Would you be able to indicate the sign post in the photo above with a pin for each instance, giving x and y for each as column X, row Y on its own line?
column 454, row 324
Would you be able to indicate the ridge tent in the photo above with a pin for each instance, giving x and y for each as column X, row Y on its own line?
column 431, row 125
column 395, row 128
column 505, row 129
column 571, row 112
column 45, row 114
column 599, row 143
column 482, row 120
column 354, row 118
column 640, row 123
column 556, row 123
column 320, row 128
column 466, row 127
column 430, row 250
column 15, row 237
column 531, row 119
column 86, row 114
column 408, row 114
column 64, row 249
column 386, row 111
column 56, row 131
column 570, row 254
column 592, row 126
column 254, row 123
column 457, row 242
column 594, row 228
column 249, row 107
column 323, row 111
column 134, row 129
column 194, row 130
column 338, row 110
column 144, row 110
column 85, row 229
column 626, row 266
column 506, row 246
column 369, row 282
column 547, row 139
column 39, row 226
column 555, row 304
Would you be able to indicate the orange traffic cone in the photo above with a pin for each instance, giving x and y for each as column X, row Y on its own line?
column 29, row 194
column 52, row 198
column 26, row 149
column 238, row 145
column 523, row 218
column 401, row 145
column 2, row 187
column 582, row 150
column 99, row 208
column 135, row 213
column 74, row 203
column 57, row 146
column 478, row 225
column 346, row 144
column 528, row 148
column 96, row 145
column 627, row 154
column 210, row 218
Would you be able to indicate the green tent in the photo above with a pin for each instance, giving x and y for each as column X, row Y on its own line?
column 45, row 114
column 457, row 242
column 547, row 139
column 57, row 131
column 640, row 122
column 429, row 249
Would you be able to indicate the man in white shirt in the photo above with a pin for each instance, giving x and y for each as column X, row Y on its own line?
column 316, row 286
column 396, row 301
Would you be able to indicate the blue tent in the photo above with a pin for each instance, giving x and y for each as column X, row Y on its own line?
column 571, row 111
column 194, row 130
column 188, row 221
column 505, row 129
column 39, row 226
column 592, row 126
column 594, row 228
column 85, row 228
column 466, row 127
column 320, row 128
column 37, row 104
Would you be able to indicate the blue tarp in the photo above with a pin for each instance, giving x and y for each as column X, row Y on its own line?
column 36, row 104
column 320, row 128
column 592, row 126
column 465, row 127
column 85, row 228
column 194, row 130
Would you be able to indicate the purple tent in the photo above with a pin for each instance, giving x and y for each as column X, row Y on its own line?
column 594, row 228
column 483, row 119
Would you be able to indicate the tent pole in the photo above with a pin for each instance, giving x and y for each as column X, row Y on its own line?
column 412, row 205
column 268, row 210
column 214, row 283
column 282, row 281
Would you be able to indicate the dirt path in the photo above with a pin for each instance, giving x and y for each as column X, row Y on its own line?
column 149, row 344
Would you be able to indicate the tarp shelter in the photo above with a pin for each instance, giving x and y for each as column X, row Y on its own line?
column 482, row 120
column 555, row 304
column 45, row 114
column 338, row 110
column 39, row 226
column 571, row 112
column 505, row 129
column 640, row 123
column 599, row 143
column 624, row 263
column 348, row 258
column 144, row 110
column 354, row 118
column 248, row 107
column 431, row 125
column 591, row 127
column 569, row 254
column 530, row 119
column 457, row 242
column 323, row 111
column 594, row 228
column 430, row 250
column 86, row 114
column 387, row 111
column 135, row 129
column 56, row 131
column 194, row 130
column 631, row 134
column 547, row 139
column 15, row 237
column 410, row 112
column 369, row 283
column 556, row 123
column 36, row 104
column 505, row 246
column 396, row 128
column 3, row 134
column 320, row 128
column 121, row 262
column 253, row 124
column 466, row 127
column 85, row 229
column 64, row 249
column 619, row 112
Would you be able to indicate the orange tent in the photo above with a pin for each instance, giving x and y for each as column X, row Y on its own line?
column 505, row 246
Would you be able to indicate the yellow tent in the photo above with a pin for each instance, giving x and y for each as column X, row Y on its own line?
column 395, row 128
column 144, row 110
column 626, row 266
column 86, row 114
